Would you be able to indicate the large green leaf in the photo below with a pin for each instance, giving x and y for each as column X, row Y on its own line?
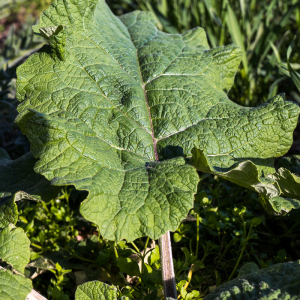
column 14, row 247
column 280, row 281
column 18, row 175
column 19, row 181
column 14, row 287
column 110, row 96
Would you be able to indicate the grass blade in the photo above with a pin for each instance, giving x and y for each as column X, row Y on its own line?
column 236, row 34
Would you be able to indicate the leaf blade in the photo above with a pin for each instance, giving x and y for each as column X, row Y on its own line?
column 14, row 247
column 14, row 286
column 103, row 109
column 19, row 181
column 93, row 290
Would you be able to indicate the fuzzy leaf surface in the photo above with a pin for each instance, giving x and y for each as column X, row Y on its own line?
column 280, row 281
column 19, row 181
column 95, row 290
column 14, row 286
column 14, row 247
column 111, row 104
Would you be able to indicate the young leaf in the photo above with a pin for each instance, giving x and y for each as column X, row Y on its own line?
column 280, row 281
column 110, row 97
column 19, row 181
column 14, row 286
column 129, row 266
column 96, row 290
column 14, row 247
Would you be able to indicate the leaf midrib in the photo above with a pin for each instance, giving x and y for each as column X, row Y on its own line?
column 143, row 87
column 151, row 124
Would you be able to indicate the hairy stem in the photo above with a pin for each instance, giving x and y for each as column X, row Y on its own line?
column 167, row 268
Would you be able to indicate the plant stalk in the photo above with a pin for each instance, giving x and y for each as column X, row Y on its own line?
column 243, row 249
column 167, row 267
column 198, row 235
